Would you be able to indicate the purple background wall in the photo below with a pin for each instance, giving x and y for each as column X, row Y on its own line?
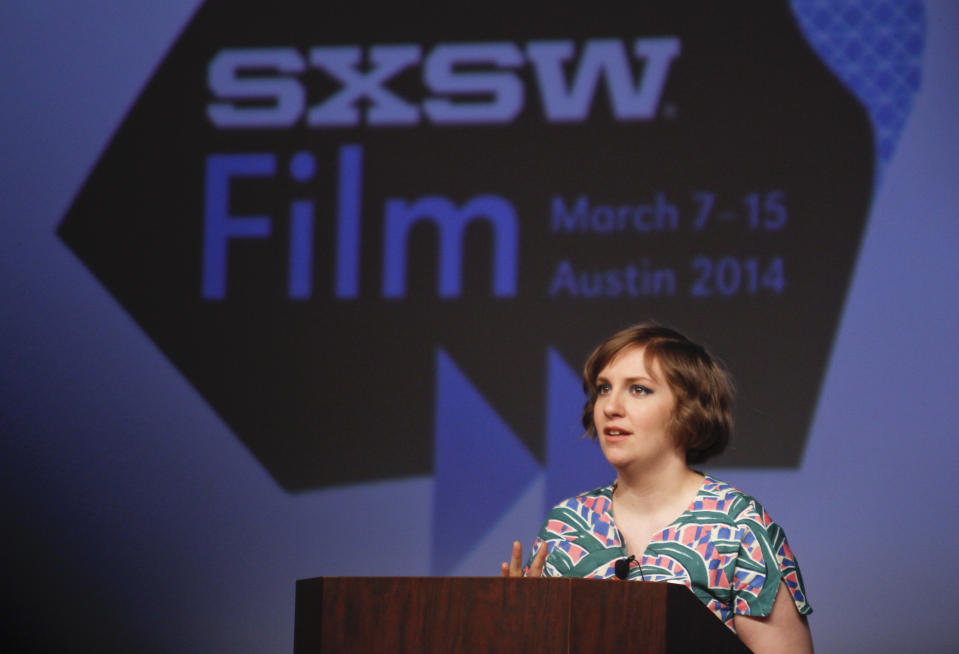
column 131, row 510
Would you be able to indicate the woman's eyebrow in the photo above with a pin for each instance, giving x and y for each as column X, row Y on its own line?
column 630, row 380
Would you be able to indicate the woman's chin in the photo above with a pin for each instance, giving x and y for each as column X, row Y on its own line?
column 617, row 458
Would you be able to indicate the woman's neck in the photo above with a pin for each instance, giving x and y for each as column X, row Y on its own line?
column 648, row 490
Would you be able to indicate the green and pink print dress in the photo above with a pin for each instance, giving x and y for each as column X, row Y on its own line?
column 724, row 547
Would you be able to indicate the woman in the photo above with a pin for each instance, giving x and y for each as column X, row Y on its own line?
column 658, row 403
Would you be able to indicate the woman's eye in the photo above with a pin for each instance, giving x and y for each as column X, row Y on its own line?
column 603, row 389
column 637, row 389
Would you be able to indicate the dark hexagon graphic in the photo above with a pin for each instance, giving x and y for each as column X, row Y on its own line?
column 303, row 271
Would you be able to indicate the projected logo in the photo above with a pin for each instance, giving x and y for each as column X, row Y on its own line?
column 380, row 244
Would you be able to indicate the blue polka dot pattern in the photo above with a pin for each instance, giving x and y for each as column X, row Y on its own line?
column 875, row 47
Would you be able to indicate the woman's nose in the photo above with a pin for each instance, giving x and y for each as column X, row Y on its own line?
column 613, row 406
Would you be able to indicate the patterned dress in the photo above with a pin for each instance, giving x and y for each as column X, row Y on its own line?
column 724, row 547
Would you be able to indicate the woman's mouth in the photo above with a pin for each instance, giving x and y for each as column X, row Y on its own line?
column 616, row 433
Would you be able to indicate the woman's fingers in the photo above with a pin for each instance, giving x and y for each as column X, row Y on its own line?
column 515, row 566
column 516, row 560
column 536, row 567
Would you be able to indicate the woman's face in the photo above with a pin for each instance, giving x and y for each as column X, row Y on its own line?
column 633, row 410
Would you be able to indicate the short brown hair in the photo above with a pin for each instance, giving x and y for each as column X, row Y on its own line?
column 703, row 417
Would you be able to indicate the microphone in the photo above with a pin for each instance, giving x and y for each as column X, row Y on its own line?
column 622, row 566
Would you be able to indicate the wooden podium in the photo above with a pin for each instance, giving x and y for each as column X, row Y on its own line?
column 489, row 614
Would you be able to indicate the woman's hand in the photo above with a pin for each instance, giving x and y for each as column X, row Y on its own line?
column 515, row 566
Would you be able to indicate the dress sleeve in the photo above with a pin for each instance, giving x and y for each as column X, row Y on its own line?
column 765, row 559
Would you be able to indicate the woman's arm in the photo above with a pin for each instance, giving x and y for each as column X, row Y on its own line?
column 783, row 630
